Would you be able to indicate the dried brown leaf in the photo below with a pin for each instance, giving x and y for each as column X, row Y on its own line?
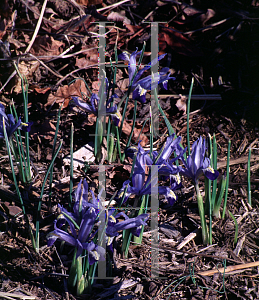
column 181, row 104
column 89, row 2
column 44, row 131
column 27, row 70
column 42, row 90
column 64, row 93
column 46, row 46
column 127, row 130
column 116, row 17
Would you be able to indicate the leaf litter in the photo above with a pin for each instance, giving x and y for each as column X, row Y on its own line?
column 206, row 41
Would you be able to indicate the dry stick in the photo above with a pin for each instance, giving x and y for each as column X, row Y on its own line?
column 187, row 239
column 12, row 296
column 240, row 160
column 61, row 55
column 112, row 6
column 230, row 269
column 31, row 42
column 37, row 26
column 9, row 78
column 45, row 66
column 25, row 2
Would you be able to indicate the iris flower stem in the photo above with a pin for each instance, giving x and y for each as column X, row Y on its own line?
column 37, row 237
column 204, row 229
column 132, row 128
column 226, row 193
column 53, row 151
column 126, row 96
column 20, row 157
column 25, row 98
column 99, row 138
column 16, row 186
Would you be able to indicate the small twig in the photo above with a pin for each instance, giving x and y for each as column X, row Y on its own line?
column 112, row 6
column 239, row 245
column 187, row 239
column 13, row 296
column 230, row 269
column 37, row 26
column 45, row 66
column 207, row 27
column 9, row 78
column 61, row 55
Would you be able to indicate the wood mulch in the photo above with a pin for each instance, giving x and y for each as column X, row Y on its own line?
column 214, row 42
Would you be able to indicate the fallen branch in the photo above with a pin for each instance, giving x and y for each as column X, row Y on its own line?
column 230, row 269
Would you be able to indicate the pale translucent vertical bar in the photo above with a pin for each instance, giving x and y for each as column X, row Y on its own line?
column 101, row 236
column 101, row 112
column 154, row 222
column 101, row 75
column 154, row 70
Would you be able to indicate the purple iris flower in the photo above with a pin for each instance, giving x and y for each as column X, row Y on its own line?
column 140, row 86
column 197, row 164
column 10, row 124
column 138, row 185
column 161, row 159
column 81, row 222
column 94, row 107
column 79, row 238
column 165, row 168
column 135, row 224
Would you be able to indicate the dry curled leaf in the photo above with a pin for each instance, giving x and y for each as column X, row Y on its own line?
column 89, row 2
column 64, row 93
column 181, row 104
column 27, row 70
column 46, row 46
column 126, row 129
column 46, row 131
column 116, row 17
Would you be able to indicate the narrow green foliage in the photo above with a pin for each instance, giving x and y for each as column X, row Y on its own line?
column 132, row 128
column 236, row 226
column 53, row 152
column 41, row 195
column 208, row 202
column 219, row 196
column 127, row 235
column 214, row 160
column 100, row 122
column 72, row 279
column 111, row 143
column 99, row 138
column 143, row 209
column 25, row 104
column 80, row 287
column 21, row 157
column 227, row 181
column 204, row 228
column 16, row 186
column 169, row 126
